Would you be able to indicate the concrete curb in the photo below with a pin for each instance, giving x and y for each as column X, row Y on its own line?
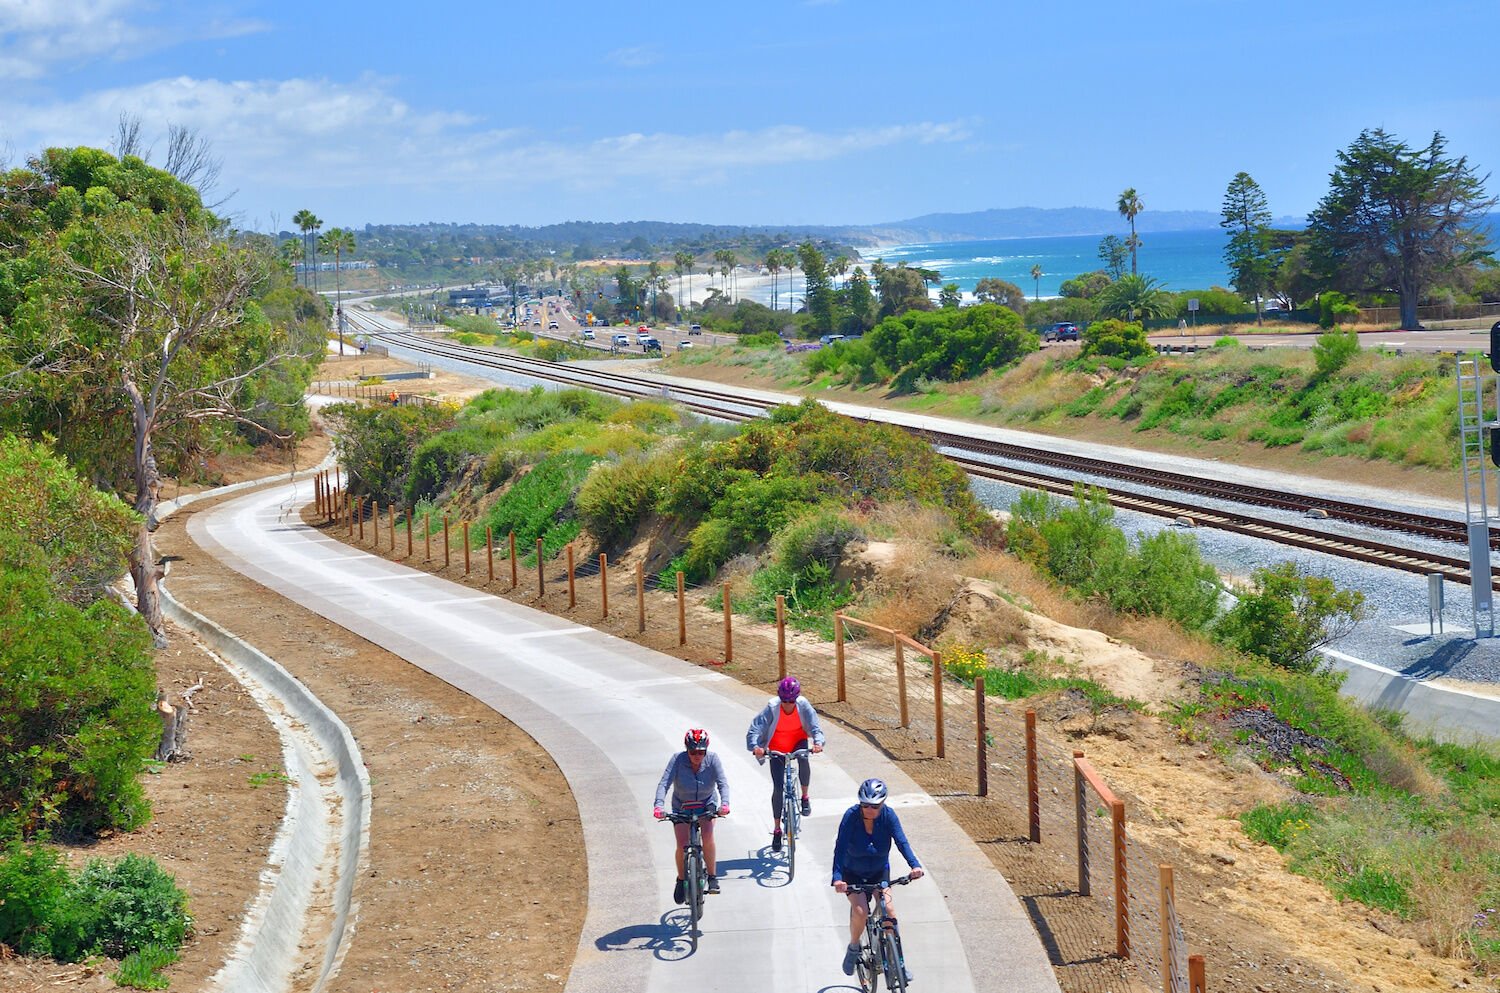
column 1447, row 713
column 332, row 787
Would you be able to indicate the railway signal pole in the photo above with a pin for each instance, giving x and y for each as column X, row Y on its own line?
column 1474, row 432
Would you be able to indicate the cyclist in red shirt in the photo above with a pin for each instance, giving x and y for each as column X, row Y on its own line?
column 787, row 723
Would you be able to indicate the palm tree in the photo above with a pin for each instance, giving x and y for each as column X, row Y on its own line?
column 1036, row 274
column 839, row 267
column 305, row 221
column 338, row 241
column 1134, row 297
column 732, row 263
column 680, row 263
column 653, row 275
column 773, row 262
column 1129, row 205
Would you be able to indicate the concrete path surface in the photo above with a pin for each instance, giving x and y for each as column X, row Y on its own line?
column 610, row 713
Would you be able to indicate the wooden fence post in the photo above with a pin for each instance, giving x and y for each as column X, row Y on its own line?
column 901, row 679
column 466, row 548
column 937, row 698
column 408, row 532
column 427, row 535
column 489, row 551
column 375, row 523
column 1081, row 815
column 728, row 628
column 780, row 636
column 838, row 652
column 681, row 611
column 1197, row 978
column 541, row 578
column 983, row 760
column 1166, row 901
column 640, row 597
column 1122, row 889
column 359, row 518
column 572, row 590
column 318, row 494
column 1033, row 789
column 447, row 558
column 515, row 578
column 603, row 585
column 391, row 515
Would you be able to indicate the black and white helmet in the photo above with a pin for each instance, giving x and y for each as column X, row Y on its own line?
column 872, row 791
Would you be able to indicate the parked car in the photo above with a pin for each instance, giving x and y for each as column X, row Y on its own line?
column 830, row 339
column 696, row 329
column 1062, row 331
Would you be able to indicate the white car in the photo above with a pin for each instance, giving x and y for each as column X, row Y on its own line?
column 551, row 325
column 684, row 344
column 588, row 334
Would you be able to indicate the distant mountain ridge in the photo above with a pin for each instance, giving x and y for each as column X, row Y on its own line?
column 1044, row 222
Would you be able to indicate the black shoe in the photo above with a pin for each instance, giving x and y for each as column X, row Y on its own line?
column 776, row 842
column 806, row 807
column 713, row 884
column 679, row 892
column 851, row 957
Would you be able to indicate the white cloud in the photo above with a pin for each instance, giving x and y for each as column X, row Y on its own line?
column 314, row 134
column 40, row 36
column 636, row 57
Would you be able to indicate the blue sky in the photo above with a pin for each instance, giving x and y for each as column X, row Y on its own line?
column 781, row 112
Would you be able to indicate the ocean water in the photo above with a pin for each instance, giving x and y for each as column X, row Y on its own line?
column 1179, row 260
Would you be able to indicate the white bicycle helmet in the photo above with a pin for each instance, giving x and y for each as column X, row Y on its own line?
column 872, row 791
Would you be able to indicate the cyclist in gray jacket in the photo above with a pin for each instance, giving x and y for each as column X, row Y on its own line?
column 696, row 777
column 787, row 724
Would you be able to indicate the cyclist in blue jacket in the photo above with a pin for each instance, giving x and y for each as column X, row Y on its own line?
column 696, row 778
column 862, row 856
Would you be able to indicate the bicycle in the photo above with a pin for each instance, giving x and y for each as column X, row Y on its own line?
column 880, row 953
column 694, row 869
column 791, row 807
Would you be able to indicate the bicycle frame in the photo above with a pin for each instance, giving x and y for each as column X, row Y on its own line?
column 879, row 956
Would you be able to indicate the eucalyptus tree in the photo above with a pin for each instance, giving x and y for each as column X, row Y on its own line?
column 1129, row 205
column 1112, row 252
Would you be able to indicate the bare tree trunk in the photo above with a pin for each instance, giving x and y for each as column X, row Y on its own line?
column 143, row 566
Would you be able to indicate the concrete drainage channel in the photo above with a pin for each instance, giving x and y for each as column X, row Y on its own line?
column 303, row 914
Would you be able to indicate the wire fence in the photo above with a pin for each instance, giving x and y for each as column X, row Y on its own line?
column 879, row 681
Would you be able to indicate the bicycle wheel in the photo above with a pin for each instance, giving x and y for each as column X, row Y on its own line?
column 867, row 969
column 692, row 872
column 890, row 954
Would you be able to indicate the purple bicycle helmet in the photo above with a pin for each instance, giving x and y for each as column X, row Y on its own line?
column 789, row 689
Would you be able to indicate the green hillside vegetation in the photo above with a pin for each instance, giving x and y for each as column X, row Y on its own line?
column 1334, row 399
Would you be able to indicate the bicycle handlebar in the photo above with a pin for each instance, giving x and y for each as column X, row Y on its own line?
column 873, row 887
column 673, row 817
column 799, row 753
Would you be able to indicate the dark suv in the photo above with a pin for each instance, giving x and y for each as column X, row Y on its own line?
column 1065, row 331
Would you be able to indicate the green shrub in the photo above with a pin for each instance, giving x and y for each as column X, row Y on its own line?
column 820, row 536
column 1287, row 615
column 1333, row 350
column 438, row 459
column 540, row 505
column 710, row 545
column 377, row 444
column 614, row 499
column 141, row 969
column 115, row 908
column 1335, row 308
column 33, row 884
column 1113, row 337
column 1229, row 341
column 1277, row 824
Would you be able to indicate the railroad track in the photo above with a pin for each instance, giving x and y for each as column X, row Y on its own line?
column 712, row 402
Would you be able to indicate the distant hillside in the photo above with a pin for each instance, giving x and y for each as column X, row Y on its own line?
column 1041, row 222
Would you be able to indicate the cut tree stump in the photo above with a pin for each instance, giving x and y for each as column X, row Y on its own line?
column 174, row 725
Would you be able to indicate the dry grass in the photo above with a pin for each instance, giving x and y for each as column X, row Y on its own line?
column 1445, row 899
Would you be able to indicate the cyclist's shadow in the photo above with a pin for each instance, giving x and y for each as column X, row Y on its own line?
column 763, row 868
column 667, row 940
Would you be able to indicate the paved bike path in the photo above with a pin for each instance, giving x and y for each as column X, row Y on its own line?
column 610, row 712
